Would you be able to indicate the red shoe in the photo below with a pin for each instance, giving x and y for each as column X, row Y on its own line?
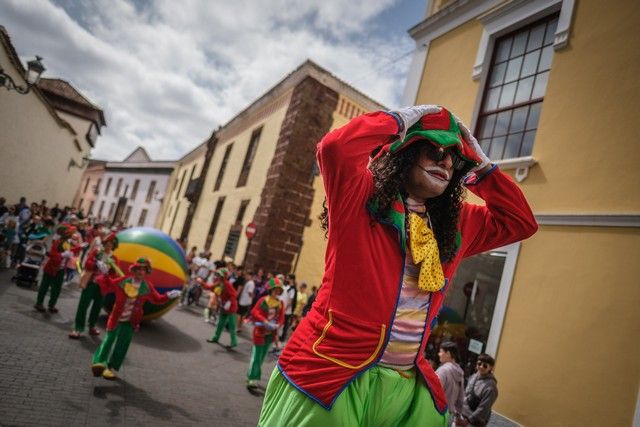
column 40, row 308
column 74, row 335
column 53, row 310
column 94, row 331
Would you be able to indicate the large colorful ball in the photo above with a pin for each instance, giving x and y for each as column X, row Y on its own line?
column 168, row 262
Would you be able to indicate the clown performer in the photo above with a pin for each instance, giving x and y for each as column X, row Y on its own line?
column 397, row 230
column 53, row 270
column 131, row 293
column 228, row 300
column 268, row 316
column 100, row 260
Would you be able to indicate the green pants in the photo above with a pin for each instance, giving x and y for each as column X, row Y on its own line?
column 223, row 320
column 55, row 282
column 258, row 353
column 90, row 295
column 114, row 347
column 378, row 397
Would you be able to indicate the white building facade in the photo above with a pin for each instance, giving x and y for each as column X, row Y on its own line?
column 128, row 192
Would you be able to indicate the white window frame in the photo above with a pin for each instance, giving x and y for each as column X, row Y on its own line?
column 503, row 20
column 502, row 300
column 514, row 15
column 497, row 20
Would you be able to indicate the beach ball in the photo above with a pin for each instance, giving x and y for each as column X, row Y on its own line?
column 168, row 263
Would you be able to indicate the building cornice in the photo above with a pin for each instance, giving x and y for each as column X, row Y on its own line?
column 283, row 89
column 589, row 219
column 450, row 17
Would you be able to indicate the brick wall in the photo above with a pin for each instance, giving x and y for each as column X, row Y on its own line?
column 287, row 195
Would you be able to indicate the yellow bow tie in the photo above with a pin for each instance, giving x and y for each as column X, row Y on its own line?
column 131, row 290
column 424, row 249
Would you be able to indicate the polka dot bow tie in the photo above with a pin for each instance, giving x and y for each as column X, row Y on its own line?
column 424, row 249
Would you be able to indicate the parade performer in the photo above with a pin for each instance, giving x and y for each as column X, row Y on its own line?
column 131, row 293
column 268, row 316
column 53, row 270
column 100, row 260
column 397, row 230
column 228, row 300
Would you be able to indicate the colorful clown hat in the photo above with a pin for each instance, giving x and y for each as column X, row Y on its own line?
column 65, row 230
column 141, row 263
column 221, row 272
column 441, row 129
column 111, row 237
column 274, row 283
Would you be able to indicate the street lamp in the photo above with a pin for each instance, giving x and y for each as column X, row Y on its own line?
column 31, row 75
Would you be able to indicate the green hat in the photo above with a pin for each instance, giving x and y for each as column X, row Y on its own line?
column 141, row 263
column 441, row 129
column 65, row 230
column 222, row 272
column 274, row 283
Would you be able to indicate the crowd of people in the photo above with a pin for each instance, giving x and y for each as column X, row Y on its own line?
column 357, row 352
column 23, row 222
column 234, row 297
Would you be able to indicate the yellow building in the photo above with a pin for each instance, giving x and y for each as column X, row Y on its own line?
column 551, row 90
column 181, row 188
column 46, row 135
column 261, row 169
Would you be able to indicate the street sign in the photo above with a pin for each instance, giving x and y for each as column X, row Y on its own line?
column 250, row 231
column 475, row 346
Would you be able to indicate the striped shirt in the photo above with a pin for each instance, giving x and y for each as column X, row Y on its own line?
column 409, row 322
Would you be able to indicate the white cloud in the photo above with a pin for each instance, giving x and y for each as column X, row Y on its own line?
column 167, row 73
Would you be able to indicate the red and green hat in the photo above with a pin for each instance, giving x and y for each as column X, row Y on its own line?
column 111, row 237
column 221, row 272
column 274, row 283
column 141, row 263
column 441, row 129
column 65, row 230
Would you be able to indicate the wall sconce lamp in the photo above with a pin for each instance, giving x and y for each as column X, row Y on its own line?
column 31, row 75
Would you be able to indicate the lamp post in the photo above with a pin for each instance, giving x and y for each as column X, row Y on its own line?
column 31, row 75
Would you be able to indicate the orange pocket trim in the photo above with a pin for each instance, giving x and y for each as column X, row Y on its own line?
column 383, row 329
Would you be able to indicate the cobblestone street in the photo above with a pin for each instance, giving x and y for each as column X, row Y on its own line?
column 171, row 375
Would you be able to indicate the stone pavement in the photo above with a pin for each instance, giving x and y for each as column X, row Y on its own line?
column 171, row 375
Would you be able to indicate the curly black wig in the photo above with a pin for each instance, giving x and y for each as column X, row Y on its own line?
column 389, row 174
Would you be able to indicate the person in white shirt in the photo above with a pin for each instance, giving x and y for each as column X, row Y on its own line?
column 290, row 299
column 246, row 298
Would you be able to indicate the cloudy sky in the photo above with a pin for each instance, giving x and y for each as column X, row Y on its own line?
column 167, row 73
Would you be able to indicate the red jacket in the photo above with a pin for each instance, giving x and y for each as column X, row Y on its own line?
column 55, row 260
column 229, row 294
column 261, row 312
column 348, row 327
column 91, row 263
column 146, row 293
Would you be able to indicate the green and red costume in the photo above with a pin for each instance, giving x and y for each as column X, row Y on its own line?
column 266, row 310
column 91, row 294
column 53, row 270
column 228, row 300
column 113, row 349
column 331, row 359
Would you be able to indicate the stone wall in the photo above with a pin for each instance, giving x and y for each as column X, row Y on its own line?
column 287, row 195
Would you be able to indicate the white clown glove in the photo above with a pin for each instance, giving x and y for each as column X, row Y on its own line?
column 411, row 115
column 102, row 267
column 473, row 142
column 272, row 326
column 173, row 294
column 227, row 305
column 67, row 254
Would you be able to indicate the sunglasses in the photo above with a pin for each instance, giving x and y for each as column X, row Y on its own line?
column 484, row 365
column 438, row 154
